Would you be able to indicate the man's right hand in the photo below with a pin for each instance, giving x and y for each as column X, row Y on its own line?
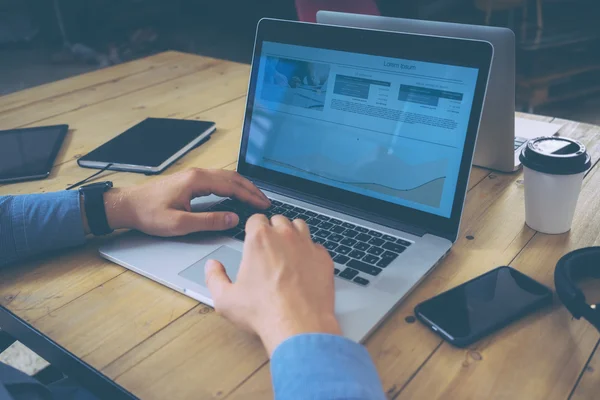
column 284, row 286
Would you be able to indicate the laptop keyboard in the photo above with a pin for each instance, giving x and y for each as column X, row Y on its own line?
column 519, row 142
column 360, row 253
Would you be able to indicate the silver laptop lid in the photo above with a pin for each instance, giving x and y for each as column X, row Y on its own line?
column 375, row 124
column 497, row 131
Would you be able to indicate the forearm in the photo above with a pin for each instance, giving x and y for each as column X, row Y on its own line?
column 34, row 223
column 323, row 366
column 31, row 224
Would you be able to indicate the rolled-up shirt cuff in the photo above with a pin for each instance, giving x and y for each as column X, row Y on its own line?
column 43, row 222
column 323, row 366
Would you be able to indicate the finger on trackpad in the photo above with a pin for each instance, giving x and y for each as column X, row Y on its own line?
column 230, row 258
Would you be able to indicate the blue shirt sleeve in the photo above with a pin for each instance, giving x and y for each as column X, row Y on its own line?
column 324, row 367
column 33, row 223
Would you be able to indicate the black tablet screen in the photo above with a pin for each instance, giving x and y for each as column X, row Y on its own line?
column 149, row 143
column 29, row 152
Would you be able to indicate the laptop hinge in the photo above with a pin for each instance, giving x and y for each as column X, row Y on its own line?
column 340, row 208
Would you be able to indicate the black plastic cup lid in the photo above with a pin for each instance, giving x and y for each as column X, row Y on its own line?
column 556, row 156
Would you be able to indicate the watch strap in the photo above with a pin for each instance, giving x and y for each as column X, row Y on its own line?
column 93, row 200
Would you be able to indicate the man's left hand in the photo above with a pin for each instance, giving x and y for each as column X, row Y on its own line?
column 162, row 207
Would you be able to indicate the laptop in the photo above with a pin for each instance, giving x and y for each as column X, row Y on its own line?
column 501, row 136
column 366, row 135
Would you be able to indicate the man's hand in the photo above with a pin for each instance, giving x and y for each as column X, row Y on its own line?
column 284, row 286
column 162, row 207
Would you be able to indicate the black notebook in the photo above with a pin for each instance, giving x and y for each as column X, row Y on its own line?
column 150, row 146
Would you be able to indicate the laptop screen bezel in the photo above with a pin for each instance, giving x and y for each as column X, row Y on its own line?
column 459, row 52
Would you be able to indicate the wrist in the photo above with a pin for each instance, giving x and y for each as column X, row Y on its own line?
column 119, row 214
column 276, row 333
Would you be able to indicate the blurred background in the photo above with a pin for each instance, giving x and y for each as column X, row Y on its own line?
column 558, row 41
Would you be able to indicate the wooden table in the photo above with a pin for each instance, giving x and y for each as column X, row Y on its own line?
column 162, row 345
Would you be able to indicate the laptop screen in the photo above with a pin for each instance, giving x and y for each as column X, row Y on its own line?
column 387, row 128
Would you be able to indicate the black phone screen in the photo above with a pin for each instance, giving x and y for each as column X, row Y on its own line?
column 484, row 303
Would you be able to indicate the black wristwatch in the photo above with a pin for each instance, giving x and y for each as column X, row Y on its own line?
column 93, row 200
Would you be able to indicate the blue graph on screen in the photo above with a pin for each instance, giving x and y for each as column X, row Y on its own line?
column 385, row 174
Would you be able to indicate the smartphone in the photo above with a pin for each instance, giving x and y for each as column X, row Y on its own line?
column 483, row 305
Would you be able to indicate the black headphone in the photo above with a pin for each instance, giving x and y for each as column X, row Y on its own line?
column 572, row 267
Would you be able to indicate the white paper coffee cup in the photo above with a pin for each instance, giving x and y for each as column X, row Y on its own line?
column 554, row 168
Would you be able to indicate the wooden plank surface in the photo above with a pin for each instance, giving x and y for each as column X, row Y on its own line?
column 112, row 318
column 219, row 359
column 160, row 344
column 38, row 112
column 27, row 97
column 589, row 385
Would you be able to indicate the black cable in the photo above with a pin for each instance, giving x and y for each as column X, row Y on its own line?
column 89, row 177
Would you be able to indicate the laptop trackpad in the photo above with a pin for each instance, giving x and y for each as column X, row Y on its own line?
column 230, row 258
